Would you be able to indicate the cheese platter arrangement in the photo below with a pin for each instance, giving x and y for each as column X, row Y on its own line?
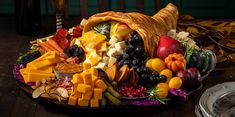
column 115, row 59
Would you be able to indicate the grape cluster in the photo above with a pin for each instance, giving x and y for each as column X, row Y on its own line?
column 135, row 56
column 75, row 51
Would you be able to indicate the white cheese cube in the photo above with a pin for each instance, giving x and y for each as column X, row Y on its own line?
column 113, row 40
column 112, row 52
column 105, row 60
column 119, row 47
column 112, row 60
column 100, row 65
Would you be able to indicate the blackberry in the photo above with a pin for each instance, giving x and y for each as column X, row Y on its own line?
column 119, row 57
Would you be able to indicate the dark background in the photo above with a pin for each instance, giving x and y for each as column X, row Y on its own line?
column 15, row 103
column 197, row 8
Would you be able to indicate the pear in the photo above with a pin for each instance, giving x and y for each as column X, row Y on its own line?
column 168, row 45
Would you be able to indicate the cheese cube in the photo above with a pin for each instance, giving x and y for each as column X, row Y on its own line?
column 87, row 77
column 113, row 40
column 86, row 66
column 102, row 47
column 94, row 59
column 105, row 60
column 87, row 95
column 83, row 88
column 101, row 84
column 112, row 60
column 119, row 47
column 83, row 102
column 97, row 93
column 77, row 94
column 94, row 79
column 99, row 38
column 94, row 71
column 94, row 103
column 72, row 100
column 112, row 52
column 77, row 79
column 100, row 65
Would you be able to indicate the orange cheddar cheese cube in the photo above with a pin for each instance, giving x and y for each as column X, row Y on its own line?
column 86, row 66
column 101, row 84
column 97, row 39
column 77, row 94
column 87, row 95
column 94, row 71
column 102, row 47
column 94, row 79
column 87, row 78
column 72, row 100
column 97, row 93
column 83, row 102
column 83, row 88
column 94, row 103
column 77, row 79
column 94, row 59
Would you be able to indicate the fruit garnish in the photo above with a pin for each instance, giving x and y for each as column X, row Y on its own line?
column 167, row 46
column 132, row 91
column 157, row 64
column 163, row 85
column 175, row 82
column 159, row 94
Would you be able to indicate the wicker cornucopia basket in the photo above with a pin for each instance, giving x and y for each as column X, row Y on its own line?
column 150, row 28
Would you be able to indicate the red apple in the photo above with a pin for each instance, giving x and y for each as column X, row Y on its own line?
column 167, row 46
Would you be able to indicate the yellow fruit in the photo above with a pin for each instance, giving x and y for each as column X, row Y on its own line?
column 162, row 92
column 148, row 63
column 167, row 73
column 162, row 85
column 175, row 82
column 157, row 64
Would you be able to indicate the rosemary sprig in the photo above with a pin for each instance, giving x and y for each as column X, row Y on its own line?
column 152, row 95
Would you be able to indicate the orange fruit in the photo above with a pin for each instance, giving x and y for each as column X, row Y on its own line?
column 162, row 92
column 157, row 64
column 162, row 85
column 167, row 72
column 149, row 63
column 175, row 82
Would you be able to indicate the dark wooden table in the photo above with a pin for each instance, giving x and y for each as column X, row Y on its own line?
column 15, row 103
